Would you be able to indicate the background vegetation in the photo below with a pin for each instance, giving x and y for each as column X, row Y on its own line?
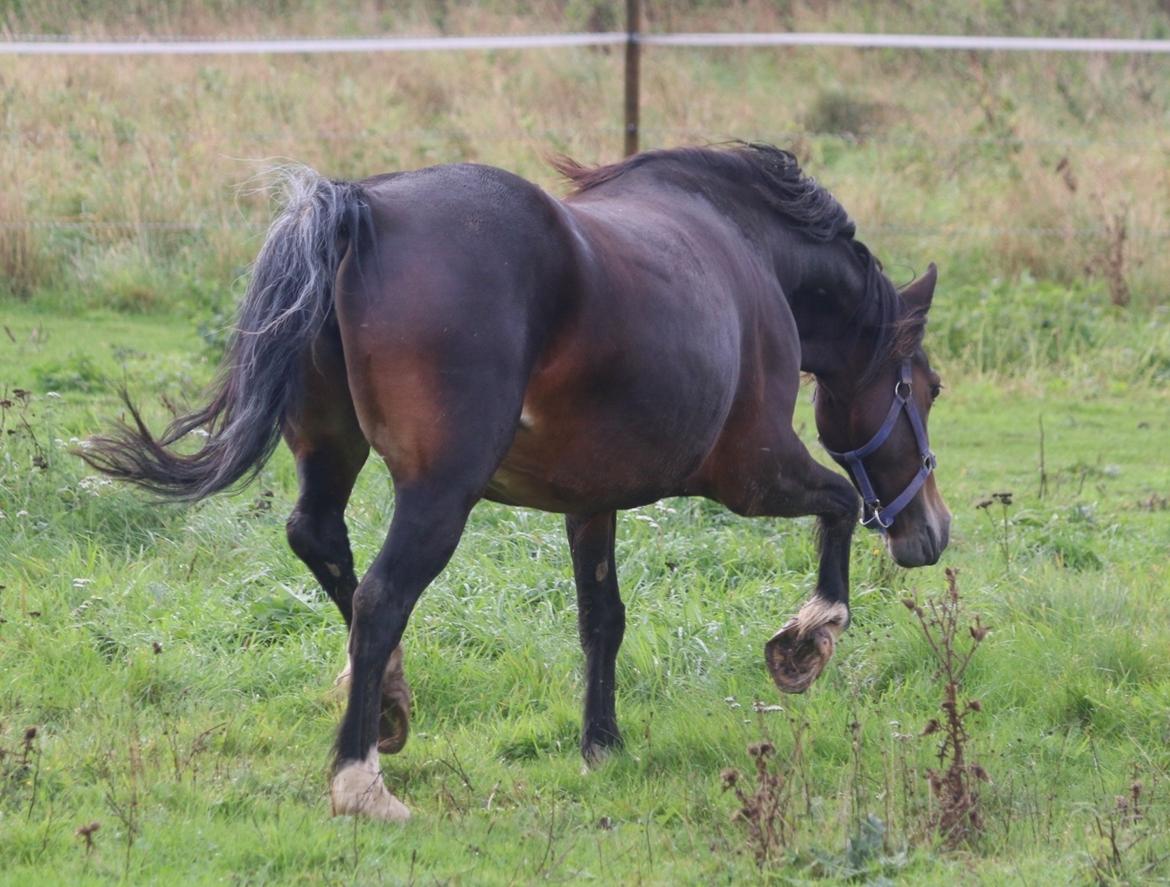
column 176, row 663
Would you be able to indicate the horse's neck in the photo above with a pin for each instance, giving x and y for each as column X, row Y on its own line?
column 825, row 285
column 828, row 278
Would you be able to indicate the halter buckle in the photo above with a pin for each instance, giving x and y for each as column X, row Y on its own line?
column 875, row 516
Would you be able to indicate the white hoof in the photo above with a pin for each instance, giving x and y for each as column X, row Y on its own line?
column 357, row 790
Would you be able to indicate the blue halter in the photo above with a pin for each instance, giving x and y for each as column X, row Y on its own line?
column 877, row 516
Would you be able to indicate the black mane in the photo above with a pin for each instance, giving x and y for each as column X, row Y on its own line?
column 775, row 175
column 772, row 173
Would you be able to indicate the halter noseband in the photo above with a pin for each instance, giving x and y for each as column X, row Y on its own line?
column 877, row 516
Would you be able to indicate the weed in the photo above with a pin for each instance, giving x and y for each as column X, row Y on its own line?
column 24, row 266
column 1042, row 489
column 125, row 801
column 764, row 809
column 1154, row 502
column 1121, row 828
column 958, row 818
column 1112, row 259
column 14, row 422
column 86, row 833
column 1004, row 500
column 78, row 372
column 844, row 113
column 20, row 772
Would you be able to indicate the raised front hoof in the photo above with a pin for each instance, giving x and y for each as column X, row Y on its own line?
column 796, row 660
column 357, row 790
column 799, row 652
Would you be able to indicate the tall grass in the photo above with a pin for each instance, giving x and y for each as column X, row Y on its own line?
column 991, row 164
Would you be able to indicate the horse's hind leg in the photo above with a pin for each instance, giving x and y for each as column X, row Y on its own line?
column 601, row 620
column 442, row 419
column 428, row 522
column 330, row 450
column 323, row 433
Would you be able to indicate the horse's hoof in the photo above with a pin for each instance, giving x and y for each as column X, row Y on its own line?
column 595, row 755
column 599, row 744
column 799, row 652
column 394, row 725
column 357, row 790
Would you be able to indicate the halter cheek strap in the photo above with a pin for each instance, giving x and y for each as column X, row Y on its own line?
column 876, row 515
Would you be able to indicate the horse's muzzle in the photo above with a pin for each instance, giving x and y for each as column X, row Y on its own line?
column 923, row 543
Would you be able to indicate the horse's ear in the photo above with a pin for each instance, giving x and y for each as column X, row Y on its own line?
column 917, row 294
column 916, row 297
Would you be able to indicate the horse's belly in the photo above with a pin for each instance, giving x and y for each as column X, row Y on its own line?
column 581, row 495
column 590, row 463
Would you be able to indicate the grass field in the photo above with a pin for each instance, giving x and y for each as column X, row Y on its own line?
column 205, row 759
column 177, row 663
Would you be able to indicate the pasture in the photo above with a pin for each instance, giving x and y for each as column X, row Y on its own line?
column 177, row 663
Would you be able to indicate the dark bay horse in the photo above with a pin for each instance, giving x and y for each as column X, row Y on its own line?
column 643, row 338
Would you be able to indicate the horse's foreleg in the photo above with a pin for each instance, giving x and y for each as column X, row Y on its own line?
column 799, row 651
column 601, row 620
column 423, row 535
column 790, row 483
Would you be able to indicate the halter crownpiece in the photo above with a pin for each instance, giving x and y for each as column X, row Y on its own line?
column 877, row 516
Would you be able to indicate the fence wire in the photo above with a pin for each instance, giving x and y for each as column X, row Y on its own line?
column 72, row 45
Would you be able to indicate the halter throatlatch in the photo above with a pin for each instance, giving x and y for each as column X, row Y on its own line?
column 877, row 516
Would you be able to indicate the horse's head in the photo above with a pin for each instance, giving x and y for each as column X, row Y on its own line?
column 877, row 431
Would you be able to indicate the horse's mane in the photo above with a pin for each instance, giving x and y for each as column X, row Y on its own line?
column 774, row 174
column 809, row 209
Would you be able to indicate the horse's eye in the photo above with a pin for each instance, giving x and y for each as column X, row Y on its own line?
column 935, row 391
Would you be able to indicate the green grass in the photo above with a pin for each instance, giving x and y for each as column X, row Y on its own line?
column 213, row 753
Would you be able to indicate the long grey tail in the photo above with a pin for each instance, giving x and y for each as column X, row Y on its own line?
column 288, row 301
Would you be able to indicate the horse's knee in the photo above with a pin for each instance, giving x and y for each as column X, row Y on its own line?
column 846, row 503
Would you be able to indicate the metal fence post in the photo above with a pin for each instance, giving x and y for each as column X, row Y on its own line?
column 633, row 52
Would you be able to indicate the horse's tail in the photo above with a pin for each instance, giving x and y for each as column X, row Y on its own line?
column 288, row 301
